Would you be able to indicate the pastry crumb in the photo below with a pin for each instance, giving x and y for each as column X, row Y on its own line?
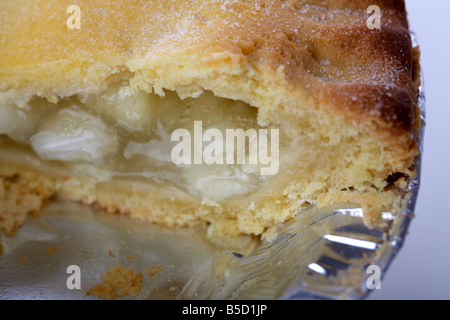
column 158, row 269
column 50, row 251
column 117, row 282
column 133, row 257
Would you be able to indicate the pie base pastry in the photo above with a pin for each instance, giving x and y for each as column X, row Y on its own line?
column 87, row 115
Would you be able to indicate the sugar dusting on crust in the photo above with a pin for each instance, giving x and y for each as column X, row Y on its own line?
column 312, row 39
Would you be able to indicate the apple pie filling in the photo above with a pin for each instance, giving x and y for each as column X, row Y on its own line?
column 129, row 134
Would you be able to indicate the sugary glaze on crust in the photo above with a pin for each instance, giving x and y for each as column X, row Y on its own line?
column 237, row 49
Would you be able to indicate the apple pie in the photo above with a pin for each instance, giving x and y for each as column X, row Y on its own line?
column 136, row 111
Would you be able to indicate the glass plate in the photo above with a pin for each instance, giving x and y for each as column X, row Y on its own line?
column 320, row 255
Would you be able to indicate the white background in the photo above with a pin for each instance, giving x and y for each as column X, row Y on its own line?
column 422, row 268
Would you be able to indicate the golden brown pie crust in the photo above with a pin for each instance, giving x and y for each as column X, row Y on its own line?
column 295, row 58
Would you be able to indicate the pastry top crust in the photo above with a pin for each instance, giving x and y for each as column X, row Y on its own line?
column 293, row 55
